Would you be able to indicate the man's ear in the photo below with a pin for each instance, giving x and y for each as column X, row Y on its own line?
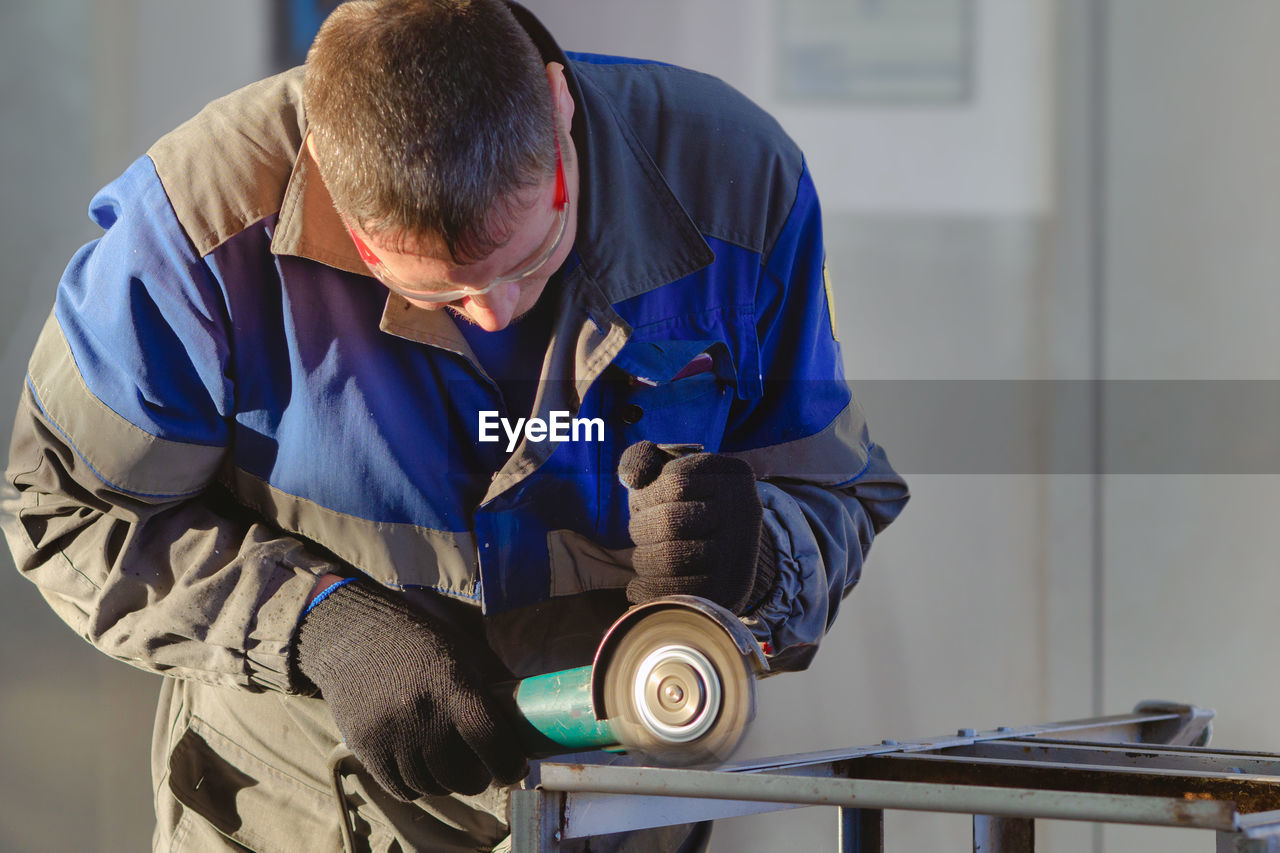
column 560, row 95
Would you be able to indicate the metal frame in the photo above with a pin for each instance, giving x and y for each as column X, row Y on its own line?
column 1149, row 767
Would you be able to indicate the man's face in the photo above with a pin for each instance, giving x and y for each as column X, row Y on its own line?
column 495, row 290
column 503, row 286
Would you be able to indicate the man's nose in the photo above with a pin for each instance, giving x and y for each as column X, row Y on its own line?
column 494, row 310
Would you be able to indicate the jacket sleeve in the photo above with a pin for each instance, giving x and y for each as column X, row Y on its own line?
column 122, row 430
column 826, row 488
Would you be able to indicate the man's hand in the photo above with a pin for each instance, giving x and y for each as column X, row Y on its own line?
column 406, row 696
column 696, row 524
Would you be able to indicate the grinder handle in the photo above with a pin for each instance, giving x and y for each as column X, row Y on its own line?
column 555, row 714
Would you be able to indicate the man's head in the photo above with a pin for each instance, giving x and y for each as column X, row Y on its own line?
column 428, row 116
column 439, row 133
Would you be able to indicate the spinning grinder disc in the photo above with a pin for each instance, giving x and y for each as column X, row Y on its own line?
column 678, row 690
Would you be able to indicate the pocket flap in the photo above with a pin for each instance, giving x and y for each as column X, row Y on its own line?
column 660, row 362
column 580, row 565
column 248, row 801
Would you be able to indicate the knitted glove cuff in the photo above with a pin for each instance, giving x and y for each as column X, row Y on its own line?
column 766, row 572
column 351, row 621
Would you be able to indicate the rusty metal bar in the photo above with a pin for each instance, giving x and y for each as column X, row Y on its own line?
column 880, row 794
column 1247, row 793
column 1134, row 728
column 1117, row 769
column 1185, row 758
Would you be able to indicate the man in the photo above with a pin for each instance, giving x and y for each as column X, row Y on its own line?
column 258, row 451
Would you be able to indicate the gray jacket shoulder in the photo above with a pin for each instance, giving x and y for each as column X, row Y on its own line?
column 228, row 167
column 733, row 167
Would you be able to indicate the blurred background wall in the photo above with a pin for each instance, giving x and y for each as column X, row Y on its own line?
column 1080, row 202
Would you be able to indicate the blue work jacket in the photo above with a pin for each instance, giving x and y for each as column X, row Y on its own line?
column 225, row 405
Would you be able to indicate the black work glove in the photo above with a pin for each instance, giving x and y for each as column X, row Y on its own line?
column 406, row 695
column 696, row 524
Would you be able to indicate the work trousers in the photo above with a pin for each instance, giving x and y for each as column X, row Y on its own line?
column 234, row 770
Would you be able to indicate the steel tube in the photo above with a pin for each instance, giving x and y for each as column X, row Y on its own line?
column 1194, row 759
column 1247, row 792
column 861, row 831
column 877, row 794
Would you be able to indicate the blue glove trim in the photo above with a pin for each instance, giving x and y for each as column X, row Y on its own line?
column 329, row 590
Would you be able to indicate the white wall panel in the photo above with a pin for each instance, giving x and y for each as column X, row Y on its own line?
column 1192, row 264
column 992, row 156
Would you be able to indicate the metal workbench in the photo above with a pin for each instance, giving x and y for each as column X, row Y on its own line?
column 1150, row 767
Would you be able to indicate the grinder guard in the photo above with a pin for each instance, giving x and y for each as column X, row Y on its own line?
column 732, row 625
column 675, row 679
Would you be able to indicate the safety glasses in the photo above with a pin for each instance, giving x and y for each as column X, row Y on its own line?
column 440, row 292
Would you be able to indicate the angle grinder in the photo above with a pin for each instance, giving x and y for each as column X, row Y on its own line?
column 673, row 680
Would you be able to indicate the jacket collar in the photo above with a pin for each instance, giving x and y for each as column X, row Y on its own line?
column 308, row 225
column 633, row 234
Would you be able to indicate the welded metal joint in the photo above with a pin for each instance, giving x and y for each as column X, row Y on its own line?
column 1255, row 833
column 1192, row 727
column 537, row 820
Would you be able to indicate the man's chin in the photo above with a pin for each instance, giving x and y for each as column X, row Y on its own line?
column 460, row 313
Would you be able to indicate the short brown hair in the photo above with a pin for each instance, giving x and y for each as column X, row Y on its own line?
column 428, row 117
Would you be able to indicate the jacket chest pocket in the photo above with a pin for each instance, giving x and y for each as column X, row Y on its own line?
column 676, row 392
column 670, row 392
column 691, row 410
